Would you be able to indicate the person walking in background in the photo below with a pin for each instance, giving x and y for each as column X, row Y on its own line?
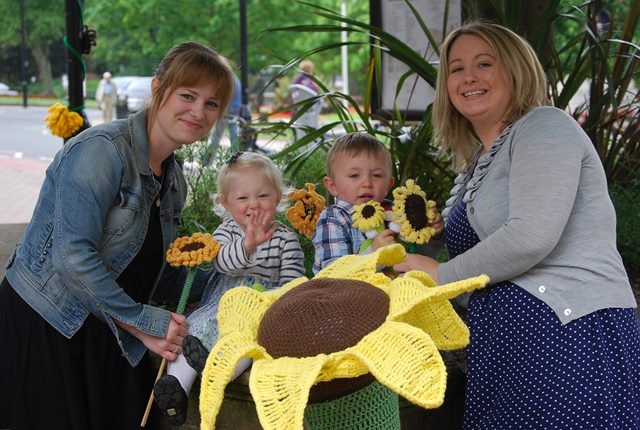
column 107, row 96
column 73, row 305
column 304, row 78
column 254, row 249
column 555, row 337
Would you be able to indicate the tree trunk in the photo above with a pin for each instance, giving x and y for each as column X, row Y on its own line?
column 40, row 52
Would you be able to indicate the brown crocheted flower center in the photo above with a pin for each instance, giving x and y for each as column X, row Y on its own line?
column 192, row 246
column 368, row 211
column 416, row 211
column 322, row 316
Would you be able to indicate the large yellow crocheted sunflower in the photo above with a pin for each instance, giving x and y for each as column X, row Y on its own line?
column 401, row 353
column 413, row 213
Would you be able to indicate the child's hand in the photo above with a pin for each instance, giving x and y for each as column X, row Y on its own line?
column 437, row 224
column 384, row 238
column 259, row 229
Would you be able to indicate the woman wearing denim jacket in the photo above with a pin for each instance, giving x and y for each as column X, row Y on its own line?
column 74, row 326
column 555, row 337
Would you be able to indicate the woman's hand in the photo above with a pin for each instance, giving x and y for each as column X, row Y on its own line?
column 419, row 262
column 168, row 347
column 384, row 238
column 437, row 225
column 259, row 229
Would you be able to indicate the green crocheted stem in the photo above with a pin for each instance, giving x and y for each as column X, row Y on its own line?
column 375, row 407
column 182, row 303
column 367, row 243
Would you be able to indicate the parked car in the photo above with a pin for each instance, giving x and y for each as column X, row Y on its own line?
column 138, row 93
column 6, row 91
column 121, row 84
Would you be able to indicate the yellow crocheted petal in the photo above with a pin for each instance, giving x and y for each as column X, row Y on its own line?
column 422, row 277
column 416, row 287
column 441, row 321
column 342, row 364
column 280, row 389
column 241, row 309
column 219, row 369
column 415, row 300
column 406, row 360
column 364, row 267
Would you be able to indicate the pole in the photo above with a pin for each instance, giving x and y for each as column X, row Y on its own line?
column 75, row 67
column 344, row 52
column 23, row 58
column 247, row 133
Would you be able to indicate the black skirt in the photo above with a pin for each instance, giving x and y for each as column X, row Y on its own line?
column 50, row 382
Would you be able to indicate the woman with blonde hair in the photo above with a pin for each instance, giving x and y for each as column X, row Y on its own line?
column 555, row 337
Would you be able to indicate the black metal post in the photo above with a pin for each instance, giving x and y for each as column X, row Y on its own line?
column 74, row 61
column 23, row 58
column 247, row 133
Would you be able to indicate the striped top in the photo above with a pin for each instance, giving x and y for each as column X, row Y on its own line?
column 275, row 262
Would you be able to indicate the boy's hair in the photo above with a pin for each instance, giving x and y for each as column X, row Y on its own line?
column 191, row 64
column 354, row 144
column 244, row 161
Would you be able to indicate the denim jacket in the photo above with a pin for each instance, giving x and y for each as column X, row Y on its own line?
column 89, row 223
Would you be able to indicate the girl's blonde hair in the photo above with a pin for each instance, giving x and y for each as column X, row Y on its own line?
column 518, row 60
column 243, row 161
column 190, row 64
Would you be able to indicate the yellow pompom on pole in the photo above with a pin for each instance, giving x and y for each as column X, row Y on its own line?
column 62, row 122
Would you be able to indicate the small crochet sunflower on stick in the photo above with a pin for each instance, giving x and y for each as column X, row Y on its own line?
column 413, row 215
column 193, row 252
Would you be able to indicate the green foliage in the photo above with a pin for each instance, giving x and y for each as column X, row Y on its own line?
column 198, row 215
column 154, row 26
column 412, row 153
column 627, row 204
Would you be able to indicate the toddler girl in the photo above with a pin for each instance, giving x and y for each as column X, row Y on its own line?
column 255, row 250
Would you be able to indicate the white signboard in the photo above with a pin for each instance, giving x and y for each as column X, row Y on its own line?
column 398, row 20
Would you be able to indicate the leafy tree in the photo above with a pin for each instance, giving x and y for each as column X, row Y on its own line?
column 134, row 34
column 44, row 30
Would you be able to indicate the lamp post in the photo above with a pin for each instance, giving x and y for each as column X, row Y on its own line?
column 23, row 57
column 247, row 133
column 78, row 41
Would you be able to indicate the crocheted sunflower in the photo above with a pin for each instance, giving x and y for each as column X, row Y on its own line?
column 413, row 214
column 401, row 325
column 304, row 213
column 62, row 122
column 368, row 216
column 198, row 249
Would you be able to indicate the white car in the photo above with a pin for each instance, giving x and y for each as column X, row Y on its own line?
column 138, row 93
column 6, row 91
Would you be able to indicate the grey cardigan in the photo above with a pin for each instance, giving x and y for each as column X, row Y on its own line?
column 538, row 201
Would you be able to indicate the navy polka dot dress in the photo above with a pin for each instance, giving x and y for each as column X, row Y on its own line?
column 528, row 371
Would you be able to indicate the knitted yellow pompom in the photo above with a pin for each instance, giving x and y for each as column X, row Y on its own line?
column 62, row 122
